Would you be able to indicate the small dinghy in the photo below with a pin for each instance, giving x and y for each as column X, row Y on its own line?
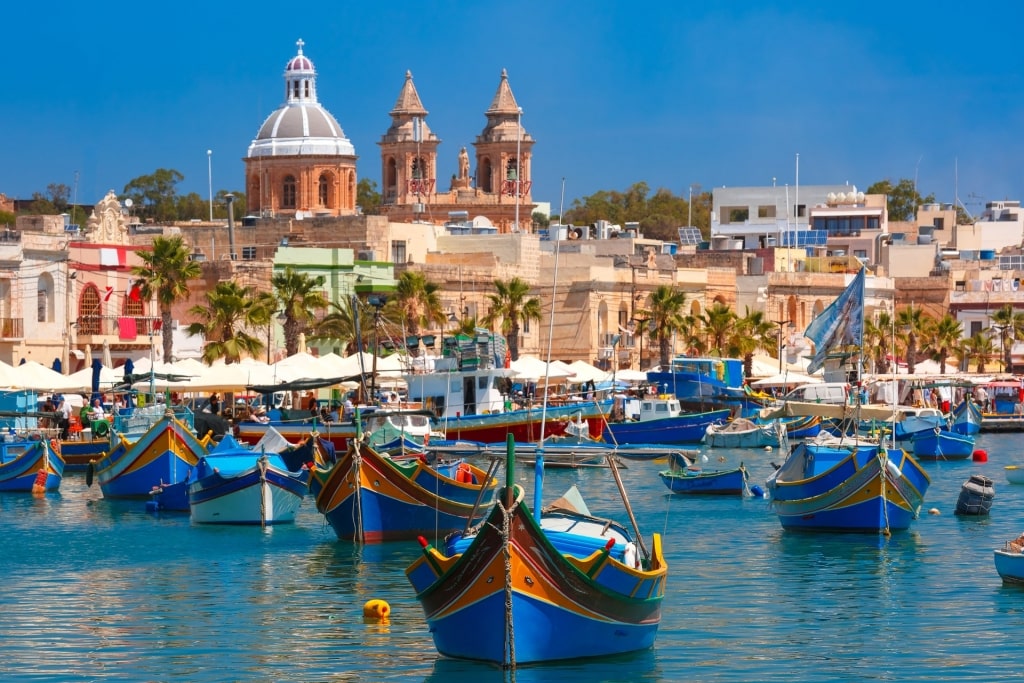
column 976, row 496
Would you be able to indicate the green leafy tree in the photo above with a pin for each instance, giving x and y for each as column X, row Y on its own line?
column 191, row 206
column 979, row 349
column 512, row 305
column 8, row 218
column 540, row 220
column 367, row 197
column 946, row 335
column 230, row 311
column 665, row 309
column 902, row 199
column 165, row 273
column 300, row 298
column 417, row 302
column 155, row 195
column 750, row 333
column 718, row 322
column 913, row 325
column 1008, row 325
column 239, row 207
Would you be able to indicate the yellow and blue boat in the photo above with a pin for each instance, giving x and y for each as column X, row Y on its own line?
column 525, row 589
column 30, row 463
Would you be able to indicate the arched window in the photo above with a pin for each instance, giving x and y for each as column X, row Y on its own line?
column 322, row 186
column 484, row 181
column 44, row 301
column 418, row 169
column 288, row 192
column 512, row 169
column 90, row 310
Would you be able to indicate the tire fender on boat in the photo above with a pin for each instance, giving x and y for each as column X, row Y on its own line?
column 90, row 470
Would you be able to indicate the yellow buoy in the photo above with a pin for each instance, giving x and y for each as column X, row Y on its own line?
column 376, row 609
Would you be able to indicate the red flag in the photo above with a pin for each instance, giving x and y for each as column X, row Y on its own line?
column 135, row 293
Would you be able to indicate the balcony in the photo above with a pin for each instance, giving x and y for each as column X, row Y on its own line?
column 121, row 328
column 12, row 328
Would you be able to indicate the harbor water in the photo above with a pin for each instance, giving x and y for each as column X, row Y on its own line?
column 98, row 590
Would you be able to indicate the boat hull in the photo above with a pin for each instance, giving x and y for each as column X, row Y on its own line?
column 828, row 488
column 561, row 606
column 681, row 429
column 1010, row 566
column 163, row 456
column 942, row 445
column 367, row 497
column 262, row 494
column 30, row 466
column 730, row 482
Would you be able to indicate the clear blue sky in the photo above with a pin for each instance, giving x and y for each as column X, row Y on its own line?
column 670, row 93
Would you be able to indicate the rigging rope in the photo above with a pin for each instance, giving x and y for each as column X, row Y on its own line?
column 510, row 636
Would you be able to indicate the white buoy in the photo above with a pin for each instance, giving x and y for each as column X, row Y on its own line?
column 768, row 449
column 934, row 511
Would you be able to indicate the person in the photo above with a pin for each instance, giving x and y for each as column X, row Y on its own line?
column 349, row 410
column 981, row 396
column 96, row 411
column 64, row 406
column 260, row 415
column 214, row 403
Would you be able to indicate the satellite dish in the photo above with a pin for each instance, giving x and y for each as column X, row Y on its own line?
column 128, row 202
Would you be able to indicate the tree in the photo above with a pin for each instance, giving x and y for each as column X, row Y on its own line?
column 230, row 311
column 753, row 332
column 979, row 349
column 902, row 199
column 165, row 273
column 417, row 302
column 877, row 338
column 540, row 220
column 946, row 335
column 367, row 197
column 299, row 298
column 665, row 312
column 339, row 325
column 155, row 195
column 913, row 324
column 718, row 324
column 512, row 306
column 1009, row 325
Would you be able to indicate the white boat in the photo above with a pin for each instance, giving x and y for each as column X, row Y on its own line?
column 1014, row 474
column 742, row 433
column 236, row 485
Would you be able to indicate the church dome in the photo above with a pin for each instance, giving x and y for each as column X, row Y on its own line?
column 300, row 126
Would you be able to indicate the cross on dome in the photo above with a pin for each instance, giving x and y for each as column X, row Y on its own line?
column 300, row 42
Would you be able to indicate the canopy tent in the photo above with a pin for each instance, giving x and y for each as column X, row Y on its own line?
column 37, row 377
column 786, row 379
column 585, row 372
column 534, row 369
column 109, row 377
column 628, row 375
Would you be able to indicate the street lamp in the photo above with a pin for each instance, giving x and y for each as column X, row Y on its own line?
column 781, row 323
column 209, row 176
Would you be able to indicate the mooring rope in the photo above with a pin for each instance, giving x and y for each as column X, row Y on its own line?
column 510, row 635
column 262, row 463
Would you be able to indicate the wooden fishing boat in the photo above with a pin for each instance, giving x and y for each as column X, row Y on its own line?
column 30, row 463
column 160, row 458
column 369, row 497
column 661, row 420
column 233, row 484
column 848, row 485
column 942, row 444
column 966, row 417
column 685, row 476
column 742, row 433
column 525, row 589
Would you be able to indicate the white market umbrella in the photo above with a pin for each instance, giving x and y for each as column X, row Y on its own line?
column 108, row 378
column 37, row 377
column 533, row 368
column 585, row 372
column 785, row 379
column 301, row 365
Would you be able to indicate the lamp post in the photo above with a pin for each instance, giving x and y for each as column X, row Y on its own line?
column 639, row 325
column 209, row 177
column 781, row 323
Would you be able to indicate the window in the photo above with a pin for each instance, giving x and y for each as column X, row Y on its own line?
column 322, row 190
column 735, row 214
column 767, row 211
column 418, row 168
column 873, row 222
column 248, row 253
column 89, row 310
column 288, row 193
column 398, row 251
column 512, row 169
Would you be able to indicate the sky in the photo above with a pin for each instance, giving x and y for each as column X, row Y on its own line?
column 673, row 94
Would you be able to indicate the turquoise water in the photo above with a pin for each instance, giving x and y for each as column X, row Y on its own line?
column 97, row 590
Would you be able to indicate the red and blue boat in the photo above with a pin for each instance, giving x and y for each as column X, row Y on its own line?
column 369, row 497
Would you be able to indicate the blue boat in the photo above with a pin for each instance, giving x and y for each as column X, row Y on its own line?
column 525, row 588
column 234, row 484
column 942, row 444
column 685, row 476
column 848, row 485
column 966, row 417
column 160, row 458
column 697, row 380
column 661, row 420
column 30, row 464
column 914, row 420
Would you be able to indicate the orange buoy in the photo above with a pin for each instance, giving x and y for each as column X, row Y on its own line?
column 376, row 610
column 980, row 455
column 39, row 485
column 464, row 473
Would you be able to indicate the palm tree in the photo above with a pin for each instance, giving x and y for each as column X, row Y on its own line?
column 1010, row 325
column 718, row 324
column 417, row 302
column 877, row 340
column 753, row 332
column 513, row 307
column 979, row 349
column 230, row 311
column 165, row 273
column 946, row 335
column 341, row 323
column 666, row 318
column 299, row 298
column 912, row 323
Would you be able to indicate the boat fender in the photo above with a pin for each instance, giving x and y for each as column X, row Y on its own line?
column 90, row 470
column 464, row 473
column 629, row 557
column 980, row 455
column 756, row 491
column 55, row 446
column 376, row 610
column 39, row 485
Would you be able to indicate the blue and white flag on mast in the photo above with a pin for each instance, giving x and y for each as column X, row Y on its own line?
column 840, row 325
